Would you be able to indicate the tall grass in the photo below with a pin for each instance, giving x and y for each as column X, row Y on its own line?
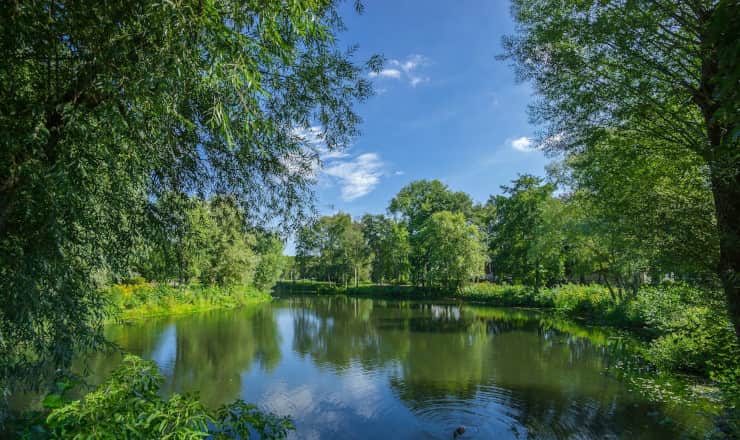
column 141, row 299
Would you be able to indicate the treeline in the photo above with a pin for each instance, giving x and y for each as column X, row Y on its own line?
column 617, row 219
column 209, row 241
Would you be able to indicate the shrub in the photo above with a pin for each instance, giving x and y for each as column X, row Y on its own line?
column 135, row 301
column 129, row 406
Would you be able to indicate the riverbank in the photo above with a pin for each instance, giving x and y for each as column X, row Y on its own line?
column 147, row 300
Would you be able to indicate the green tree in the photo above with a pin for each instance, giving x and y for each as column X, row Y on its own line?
column 639, row 207
column 451, row 249
column 174, row 245
column 109, row 105
column 388, row 242
column 416, row 203
column 658, row 69
column 271, row 263
column 418, row 200
column 290, row 268
column 333, row 249
column 526, row 241
column 230, row 257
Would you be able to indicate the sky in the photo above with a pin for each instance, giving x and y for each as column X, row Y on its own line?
column 445, row 108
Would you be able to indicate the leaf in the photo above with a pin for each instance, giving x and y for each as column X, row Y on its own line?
column 53, row 401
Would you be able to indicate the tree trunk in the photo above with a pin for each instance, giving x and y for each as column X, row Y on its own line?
column 721, row 154
column 726, row 191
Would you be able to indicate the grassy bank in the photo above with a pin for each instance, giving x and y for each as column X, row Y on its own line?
column 309, row 287
column 143, row 300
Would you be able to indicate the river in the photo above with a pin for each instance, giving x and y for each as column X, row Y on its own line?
column 365, row 369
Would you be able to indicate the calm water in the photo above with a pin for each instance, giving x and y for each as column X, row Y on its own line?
column 359, row 368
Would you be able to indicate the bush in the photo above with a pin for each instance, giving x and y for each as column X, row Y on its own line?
column 142, row 300
column 129, row 406
column 588, row 301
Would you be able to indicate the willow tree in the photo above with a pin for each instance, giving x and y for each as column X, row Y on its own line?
column 660, row 69
column 108, row 105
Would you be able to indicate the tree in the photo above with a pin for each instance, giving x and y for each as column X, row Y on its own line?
column 356, row 252
column 271, row 260
column 110, row 105
column 418, row 200
column 333, row 249
column 526, row 238
column 230, row 257
column 661, row 69
column 416, row 203
column 290, row 269
column 451, row 249
column 643, row 207
column 174, row 246
column 388, row 241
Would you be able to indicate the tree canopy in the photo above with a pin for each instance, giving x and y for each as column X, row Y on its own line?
column 660, row 70
column 110, row 106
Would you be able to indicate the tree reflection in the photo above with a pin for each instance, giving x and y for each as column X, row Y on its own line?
column 205, row 352
column 548, row 372
column 501, row 370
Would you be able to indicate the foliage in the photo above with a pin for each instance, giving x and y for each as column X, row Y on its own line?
column 417, row 201
column 108, row 106
column 209, row 241
column 128, row 405
column 230, row 259
column 638, row 206
column 661, row 74
column 526, row 243
column 271, row 261
column 451, row 250
column 388, row 241
column 133, row 301
column 333, row 249
column 691, row 335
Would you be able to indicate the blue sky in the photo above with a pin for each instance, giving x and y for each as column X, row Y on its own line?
column 445, row 107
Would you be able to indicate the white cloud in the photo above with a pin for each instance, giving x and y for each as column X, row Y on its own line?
column 416, row 80
column 406, row 69
column 387, row 73
column 358, row 176
column 411, row 62
column 523, row 143
column 314, row 139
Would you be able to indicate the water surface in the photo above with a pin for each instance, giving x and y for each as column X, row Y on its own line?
column 359, row 368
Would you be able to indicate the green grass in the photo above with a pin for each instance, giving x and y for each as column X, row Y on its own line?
column 309, row 287
column 145, row 300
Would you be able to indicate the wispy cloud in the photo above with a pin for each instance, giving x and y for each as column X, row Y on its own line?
column 406, row 69
column 524, row 144
column 387, row 73
column 314, row 139
column 358, row 176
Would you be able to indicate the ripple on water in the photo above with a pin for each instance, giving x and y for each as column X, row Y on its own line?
column 490, row 413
